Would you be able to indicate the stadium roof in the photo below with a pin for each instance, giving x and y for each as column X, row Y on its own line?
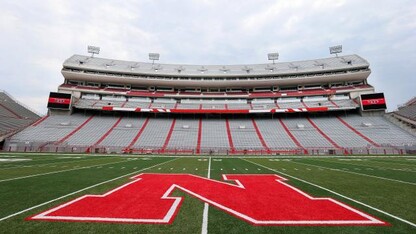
column 143, row 68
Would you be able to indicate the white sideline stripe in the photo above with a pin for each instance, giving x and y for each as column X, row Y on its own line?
column 333, row 192
column 78, row 191
column 206, row 206
column 56, row 172
column 351, row 172
column 379, row 167
column 44, row 164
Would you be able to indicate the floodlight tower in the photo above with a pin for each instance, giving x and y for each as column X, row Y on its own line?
column 335, row 50
column 93, row 50
column 273, row 56
column 153, row 57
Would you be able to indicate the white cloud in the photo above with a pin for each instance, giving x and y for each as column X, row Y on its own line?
column 38, row 36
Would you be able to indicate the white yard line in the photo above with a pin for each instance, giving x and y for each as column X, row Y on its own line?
column 338, row 194
column 78, row 191
column 205, row 213
column 366, row 165
column 57, row 162
column 56, row 172
column 356, row 173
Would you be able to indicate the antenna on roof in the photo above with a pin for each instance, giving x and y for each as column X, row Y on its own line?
column 335, row 50
column 93, row 50
column 273, row 56
column 153, row 57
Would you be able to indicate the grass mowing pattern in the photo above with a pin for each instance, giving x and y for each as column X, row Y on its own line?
column 332, row 173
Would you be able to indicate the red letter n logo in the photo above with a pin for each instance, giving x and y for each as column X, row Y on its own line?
column 257, row 199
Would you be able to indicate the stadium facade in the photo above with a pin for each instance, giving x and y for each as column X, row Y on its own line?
column 320, row 106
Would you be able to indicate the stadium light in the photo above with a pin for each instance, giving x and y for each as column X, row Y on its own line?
column 153, row 57
column 335, row 50
column 273, row 56
column 93, row 50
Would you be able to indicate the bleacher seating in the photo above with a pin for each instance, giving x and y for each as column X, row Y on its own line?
column 176, row 134
column 244, row 135
column 155, row 133
column 274, row 134
column 213, row 104
column 214, row 134
column 306, row 134
column 408, row 111
column 13, row 115
column 338, row 132
column 52, row 129
column 184, row 134
column 123, row 133
column 380, row 130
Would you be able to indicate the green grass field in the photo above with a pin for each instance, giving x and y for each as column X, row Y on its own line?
column 384, row 187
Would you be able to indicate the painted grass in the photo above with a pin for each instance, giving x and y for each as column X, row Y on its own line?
column 393, row 197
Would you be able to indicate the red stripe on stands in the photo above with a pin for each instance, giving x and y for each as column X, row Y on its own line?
column 168, row 136
column 124, row 104
column 230, row 138
column 138, row 134
column 259, row 135
column 333, row 103
column 198, row 144
column 357, row 132
column 75, row 130
column 95, row 103
column 11, row 111
column 323, row 134
column 292, row 136
column 277, row 105
column 40, row 120
column 107, row 133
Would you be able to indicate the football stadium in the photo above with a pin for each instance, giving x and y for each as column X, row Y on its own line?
column 145, row 147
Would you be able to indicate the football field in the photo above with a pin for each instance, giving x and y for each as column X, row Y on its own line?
column 61, row 193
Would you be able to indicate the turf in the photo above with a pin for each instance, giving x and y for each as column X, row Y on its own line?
column 47, row 180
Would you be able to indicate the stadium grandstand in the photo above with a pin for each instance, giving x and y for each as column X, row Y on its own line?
column 405, row 115
column 320, row 106
column 14, row 116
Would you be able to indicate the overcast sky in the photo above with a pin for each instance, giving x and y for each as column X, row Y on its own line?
column 37, row 36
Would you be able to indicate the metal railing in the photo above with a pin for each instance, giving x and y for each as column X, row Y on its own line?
column 52, row 147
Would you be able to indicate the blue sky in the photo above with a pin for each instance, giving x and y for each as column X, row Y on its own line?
column 37, row 36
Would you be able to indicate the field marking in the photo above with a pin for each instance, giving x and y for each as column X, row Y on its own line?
column 356, row 173
column 333, row 192
column 15, row 159
column 57, row 162
column 373, row 166
column 56, row 172
column 396, row 162
column 81, row 190
column 206, row 206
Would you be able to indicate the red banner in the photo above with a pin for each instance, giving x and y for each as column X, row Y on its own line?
column 375, row 101
column 59, row 100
